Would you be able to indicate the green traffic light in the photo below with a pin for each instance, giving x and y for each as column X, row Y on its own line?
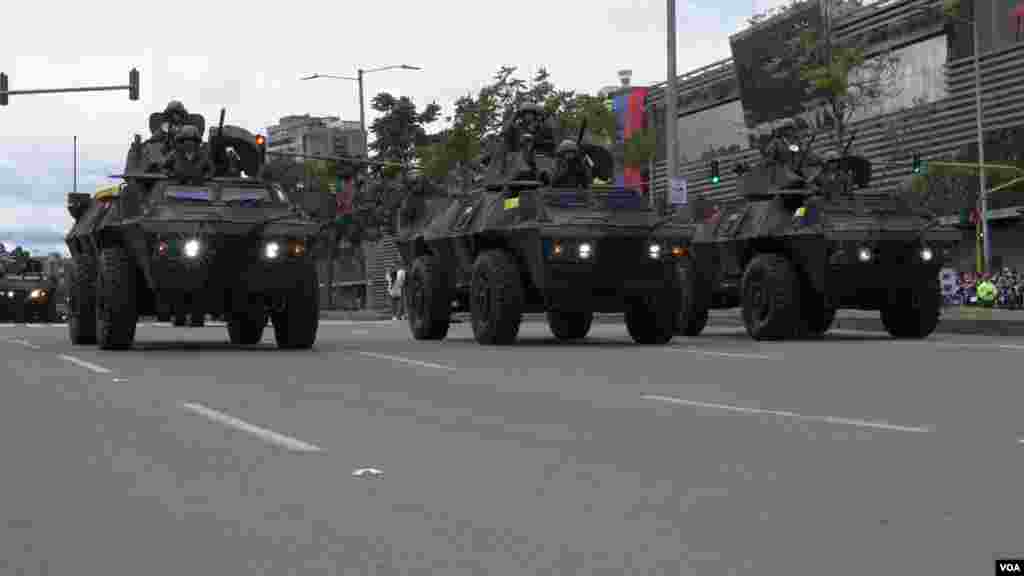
column 715, row 179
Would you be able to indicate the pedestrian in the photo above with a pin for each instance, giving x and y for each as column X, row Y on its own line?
column 391, row 277
column 400, row 291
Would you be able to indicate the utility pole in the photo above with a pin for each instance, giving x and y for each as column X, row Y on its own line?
column 671, row 115
column 74, row 186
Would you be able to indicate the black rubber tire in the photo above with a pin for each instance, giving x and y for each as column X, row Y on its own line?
column 569, row 325
column 776, row 314
column 247, row 320
column 116, row 307
column 653, row 320
column 913, row 313
column 427, row 299
column 82, row 304
column 696, row 303
column 295, row 326
column 496, row 298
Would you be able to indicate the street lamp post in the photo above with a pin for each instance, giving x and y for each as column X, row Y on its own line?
column 362, row 100
column 671, row 120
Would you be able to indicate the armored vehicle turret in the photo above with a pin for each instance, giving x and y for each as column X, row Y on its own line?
column 192, row 230
column 804, row 243
column 27, row 293
column 536, row 234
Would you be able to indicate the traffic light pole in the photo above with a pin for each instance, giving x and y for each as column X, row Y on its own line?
column 132, row 87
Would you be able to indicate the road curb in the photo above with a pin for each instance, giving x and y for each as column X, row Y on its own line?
column 972, row 326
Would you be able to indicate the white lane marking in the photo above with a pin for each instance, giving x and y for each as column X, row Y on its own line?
column 794, row 415
column 728, row 354
column 982, row 346
column 94, row 367
column 368, row 472
column 406, row 361
column 264, row 434
column 24, row 343
column 1020, row 440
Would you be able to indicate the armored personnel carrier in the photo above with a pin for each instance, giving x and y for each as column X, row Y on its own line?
column 802, row 244
column 27, row 294
column 536, row 235
column 192, row 229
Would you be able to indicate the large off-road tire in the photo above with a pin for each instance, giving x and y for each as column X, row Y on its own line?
column 427, row 299
column 82, row 302
column 246, row 321
column 913, row 312
column 653, row 319
column 770, row 296
column 570, row 325
column 295, row 326
column 116, row 307
column 696, row 303
column 496, row 298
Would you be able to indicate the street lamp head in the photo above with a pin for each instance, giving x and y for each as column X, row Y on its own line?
column 408, row 67
column 310, row 77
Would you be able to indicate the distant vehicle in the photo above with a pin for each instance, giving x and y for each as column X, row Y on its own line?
column 537, row 235
column 801, row 246
column 192, row 230
column 27, row 293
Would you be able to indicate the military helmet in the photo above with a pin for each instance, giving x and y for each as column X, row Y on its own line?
column 188, row 132
column 175, row 107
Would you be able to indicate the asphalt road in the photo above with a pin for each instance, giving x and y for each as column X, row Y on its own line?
column 716, row 455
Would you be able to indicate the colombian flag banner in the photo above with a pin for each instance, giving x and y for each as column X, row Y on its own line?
column 629, row 111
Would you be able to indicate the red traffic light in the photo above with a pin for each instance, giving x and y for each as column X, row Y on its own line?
column 260, row 140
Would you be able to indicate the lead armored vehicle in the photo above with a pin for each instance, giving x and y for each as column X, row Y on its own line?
column 27, row 293
column 803, row 244
column 192, row 229
column 536, row 235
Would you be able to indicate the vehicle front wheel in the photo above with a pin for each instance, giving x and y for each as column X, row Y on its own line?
column 496, row 298
column 913, row 312
column 295, row 326
column 116, row 307
column 427, row 299
column 82, row 302
column 246, row 321
column 771, row 298
column 696, row 300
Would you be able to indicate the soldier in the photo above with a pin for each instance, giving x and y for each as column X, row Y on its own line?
column 571, row 170
column 189, row 160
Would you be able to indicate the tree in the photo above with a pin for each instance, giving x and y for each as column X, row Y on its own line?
column 640, row 148
column 400, row 128
column 838, row 78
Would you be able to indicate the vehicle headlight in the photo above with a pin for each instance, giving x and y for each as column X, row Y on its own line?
column 654, row 251
column 192, row 247
column 10, row 294
column 297, row 247
column 586, row 250
column 37, row 293
column 864, row 254
column 927, row 254
column 271, row 250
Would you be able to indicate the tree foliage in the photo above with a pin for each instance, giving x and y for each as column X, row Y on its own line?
column 839, row 79
column 640, row 148
column 400, row 128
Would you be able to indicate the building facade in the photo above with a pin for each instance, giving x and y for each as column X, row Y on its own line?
column 929, row 110
column 318, row 135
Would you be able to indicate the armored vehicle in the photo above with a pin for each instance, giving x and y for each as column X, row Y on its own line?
column 192, row 229
column 27, row 294
column 535, row 234
column 803, row 243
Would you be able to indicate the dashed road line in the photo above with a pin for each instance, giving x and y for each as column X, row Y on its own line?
column 265, row 434
column 403, row 360
column 88, row 365
column 24, row 343
column 726, row 354
column 756, row 411
column 1017, row 347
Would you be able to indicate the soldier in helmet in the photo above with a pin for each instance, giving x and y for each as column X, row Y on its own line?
column 571, row 171
column 156, row 152
column 189, row 160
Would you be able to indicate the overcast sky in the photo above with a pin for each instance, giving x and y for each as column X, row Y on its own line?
column 249, row 56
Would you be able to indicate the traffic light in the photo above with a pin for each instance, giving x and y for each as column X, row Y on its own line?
column 916, row 166
column 133, row 84
column 716, row 176
column 4, row 89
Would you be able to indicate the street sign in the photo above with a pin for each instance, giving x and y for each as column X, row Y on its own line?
column 679, row 192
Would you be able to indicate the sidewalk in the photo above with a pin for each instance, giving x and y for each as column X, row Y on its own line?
column 955, row 320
